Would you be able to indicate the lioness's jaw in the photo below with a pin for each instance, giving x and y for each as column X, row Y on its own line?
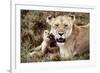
column 60, row 40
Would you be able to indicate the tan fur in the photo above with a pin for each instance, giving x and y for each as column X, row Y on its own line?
column 44, row 45
column 48, row 40
column 76, row 38
column 47, row 48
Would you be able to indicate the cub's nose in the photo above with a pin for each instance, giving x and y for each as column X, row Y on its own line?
column 60, row 33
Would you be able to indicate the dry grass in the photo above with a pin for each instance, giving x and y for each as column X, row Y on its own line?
column 32, row 25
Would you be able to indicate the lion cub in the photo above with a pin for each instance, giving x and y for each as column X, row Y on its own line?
column 46, row 41
column 48, row 47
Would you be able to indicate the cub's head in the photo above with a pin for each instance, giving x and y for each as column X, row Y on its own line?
column 61, row 27
column 46, row 34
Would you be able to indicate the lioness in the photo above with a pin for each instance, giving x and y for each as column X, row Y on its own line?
column 71, row 38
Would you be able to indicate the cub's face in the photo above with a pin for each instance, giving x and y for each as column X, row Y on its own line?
column 46, row 35
column 61, row 27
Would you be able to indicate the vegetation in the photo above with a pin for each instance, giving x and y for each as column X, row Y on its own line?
column 32, row 25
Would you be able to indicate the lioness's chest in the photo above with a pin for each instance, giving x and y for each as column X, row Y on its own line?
column 66, row 50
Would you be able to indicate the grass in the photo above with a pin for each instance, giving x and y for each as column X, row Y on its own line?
column 33, row 23
column 40, row 58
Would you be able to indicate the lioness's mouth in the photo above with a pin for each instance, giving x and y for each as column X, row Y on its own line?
column 60, row 40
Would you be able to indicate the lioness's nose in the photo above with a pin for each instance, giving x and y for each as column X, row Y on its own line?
column 60, row 33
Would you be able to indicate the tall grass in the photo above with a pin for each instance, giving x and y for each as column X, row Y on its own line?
column 33, row 23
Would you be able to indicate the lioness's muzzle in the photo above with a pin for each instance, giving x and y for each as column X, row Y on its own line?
column 60, row 40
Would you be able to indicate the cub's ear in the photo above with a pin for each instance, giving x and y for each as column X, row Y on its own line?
column 72, row 17
column 50, row 19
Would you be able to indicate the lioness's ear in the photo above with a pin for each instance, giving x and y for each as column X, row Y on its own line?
column 72, row 17
column 50, row 19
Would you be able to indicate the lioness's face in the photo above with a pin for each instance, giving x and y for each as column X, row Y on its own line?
column 61, row 27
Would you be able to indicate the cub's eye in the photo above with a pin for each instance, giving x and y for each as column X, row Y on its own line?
column 66, row 25
column 56, row 25
column 46, row 32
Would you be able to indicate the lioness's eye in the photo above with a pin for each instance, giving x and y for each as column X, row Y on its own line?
column 45, row 32
column 56, row 25
column 65, row 25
